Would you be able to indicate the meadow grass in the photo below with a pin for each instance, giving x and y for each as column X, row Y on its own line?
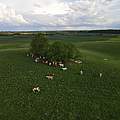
column 110, row 48
column 69, row 96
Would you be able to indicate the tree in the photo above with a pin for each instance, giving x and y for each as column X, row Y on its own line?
column 72, row 51
column 61, row 51
column 39, row 44
column 57, row 51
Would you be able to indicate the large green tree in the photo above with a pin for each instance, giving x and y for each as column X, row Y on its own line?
column 39, row 44
column 61, row 51
column 57, row 51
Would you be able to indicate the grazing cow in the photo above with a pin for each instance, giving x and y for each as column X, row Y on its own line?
column 36, row 89
column 101, row 75
column 43, row 61
column 50, row 64
column 81, row 72
column 61, row 65
column 37, row 60
column 32, row 55
column 53, row 63
column 64, row 69
column 56, row 64
column 27, row 55
column 79, row 62
column 49, row 77
column 105, row 59
column 46, row 62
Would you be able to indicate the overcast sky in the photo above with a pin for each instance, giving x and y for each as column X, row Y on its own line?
column 59, row 14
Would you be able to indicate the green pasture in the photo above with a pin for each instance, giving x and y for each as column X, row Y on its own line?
column 70, row 95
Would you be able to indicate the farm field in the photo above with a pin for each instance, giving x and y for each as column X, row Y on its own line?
column 70, row 95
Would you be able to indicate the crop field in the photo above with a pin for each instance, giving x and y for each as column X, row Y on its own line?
column 70, row 95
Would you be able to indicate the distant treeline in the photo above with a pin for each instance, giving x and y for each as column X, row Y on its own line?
column 104, row 31
column 85, row 32
column 70, row 32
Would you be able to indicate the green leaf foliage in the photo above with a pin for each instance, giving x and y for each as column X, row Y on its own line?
column 39, row 44
column 58, row 51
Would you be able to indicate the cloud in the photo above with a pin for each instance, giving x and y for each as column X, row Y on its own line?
column 8, row 15
column 73, row 13
column 61, row 14
column 55, row 7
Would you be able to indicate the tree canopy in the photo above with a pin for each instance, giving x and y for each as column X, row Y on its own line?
column 39, row 44
column 57, row 51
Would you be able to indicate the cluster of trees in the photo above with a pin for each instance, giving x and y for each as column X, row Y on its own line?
column 57, row 51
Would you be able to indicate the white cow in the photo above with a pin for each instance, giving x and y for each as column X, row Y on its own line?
column 81, row 72
column 50, row 64
column 36, row 89
column 55, row 63
column 105, row 59
column 64, row 68
column 79, row 62
column 61, row 65
column 43, row 57
column 32, row 55
column 37, row 60
column 49, row 77
column 101, row 75
column 46, row 62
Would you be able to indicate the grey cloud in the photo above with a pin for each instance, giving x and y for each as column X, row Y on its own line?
column 82, row 14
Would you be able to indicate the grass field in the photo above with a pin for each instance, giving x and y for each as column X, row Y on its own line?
column 69, row 96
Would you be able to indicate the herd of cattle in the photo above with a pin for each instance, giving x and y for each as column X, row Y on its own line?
column 40, row 59
column 44, row 60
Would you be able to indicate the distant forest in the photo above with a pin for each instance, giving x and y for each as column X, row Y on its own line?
column 69, row 32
